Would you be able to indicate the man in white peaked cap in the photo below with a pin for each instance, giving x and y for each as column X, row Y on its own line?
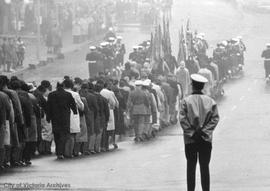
column 198, row 118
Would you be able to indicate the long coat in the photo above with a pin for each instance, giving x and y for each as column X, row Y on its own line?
column 82, row 136
column 5, row 108
column 28, row 112
column 74, row 118
column 93, row 110
column 60, row 104
column 18, row 115
column 182, row 77
column 31, row 131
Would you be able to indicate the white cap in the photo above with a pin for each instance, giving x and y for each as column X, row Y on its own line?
column 138, row 83
column 104, row 44
column 111, row 39
column 110, row 29
column 224, row 43
column 92, row 48
column 199, row 37
column 202, row 35
column 119, row 37
column 198, row 78
column 135, row 47
column 147, row 82
column 140, row 47
column 268, row 44
column 235, row 39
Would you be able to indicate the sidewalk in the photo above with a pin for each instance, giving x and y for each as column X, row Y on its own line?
column 31, row 52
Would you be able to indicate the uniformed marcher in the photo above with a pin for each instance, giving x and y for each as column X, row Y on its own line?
column 266, row 56
column 133, row 55
column 120, row 51
column 198, row 118
column 93, row 58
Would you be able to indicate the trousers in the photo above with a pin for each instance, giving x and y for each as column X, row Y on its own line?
column 200, row 149
column 60, row 139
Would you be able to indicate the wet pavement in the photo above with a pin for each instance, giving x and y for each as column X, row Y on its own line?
column 241, row 141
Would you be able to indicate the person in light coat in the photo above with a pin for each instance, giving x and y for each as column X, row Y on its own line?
column 74, row 119
column 113, row 103
column 182, row 77
column 198, row 118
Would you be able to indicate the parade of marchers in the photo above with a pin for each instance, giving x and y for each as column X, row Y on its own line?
column 85, row 116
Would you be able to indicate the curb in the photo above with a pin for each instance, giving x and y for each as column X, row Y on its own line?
column 52, row 59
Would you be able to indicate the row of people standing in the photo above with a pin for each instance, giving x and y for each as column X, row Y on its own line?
column 99, row 109
column 12, row 53
column 81, row 117
column 19, row 123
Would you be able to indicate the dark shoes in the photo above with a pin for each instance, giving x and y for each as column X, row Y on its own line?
column 93, row 152
column 27, row 163
column 16, row 164
column 60, row 157
column 115, row 146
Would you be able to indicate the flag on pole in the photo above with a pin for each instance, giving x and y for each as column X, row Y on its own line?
column 181, row 52
column 189, row 39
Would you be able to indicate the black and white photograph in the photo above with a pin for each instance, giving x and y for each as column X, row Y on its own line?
column 134, row 95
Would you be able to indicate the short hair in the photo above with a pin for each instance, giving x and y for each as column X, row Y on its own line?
column 85, row 85
column 67, row 83
column 91, row 85
column 41, row 88
column 25, row 87
column 78, row 80
column 46, row 84
column 4, row 80
column 15, row 84
column 197, row 85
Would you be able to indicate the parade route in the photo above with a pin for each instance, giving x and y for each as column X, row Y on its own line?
column 241, row 141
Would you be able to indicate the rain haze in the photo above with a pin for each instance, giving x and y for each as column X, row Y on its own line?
column 101, row 95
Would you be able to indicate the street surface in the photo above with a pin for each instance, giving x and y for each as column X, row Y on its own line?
column 241, row 154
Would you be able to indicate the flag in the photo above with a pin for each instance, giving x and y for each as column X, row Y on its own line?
column 166, row 41
column 181, row 53
column 189, row 39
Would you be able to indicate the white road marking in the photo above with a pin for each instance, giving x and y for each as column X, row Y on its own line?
column 234, row 107
column 242, row 98
column 165, row 156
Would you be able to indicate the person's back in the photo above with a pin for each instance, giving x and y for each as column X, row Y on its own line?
column 4, row 109
column 93, row 56
column 266, row 54
column 199, row 109
column 198, row 118
column 138, row 102
column 60, row 104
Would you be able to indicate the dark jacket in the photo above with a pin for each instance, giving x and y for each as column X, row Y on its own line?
column 27, row 107
column 16, row 105
column 18, row 115
column 5, row 108
column 91, row 101
column 60, row 103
